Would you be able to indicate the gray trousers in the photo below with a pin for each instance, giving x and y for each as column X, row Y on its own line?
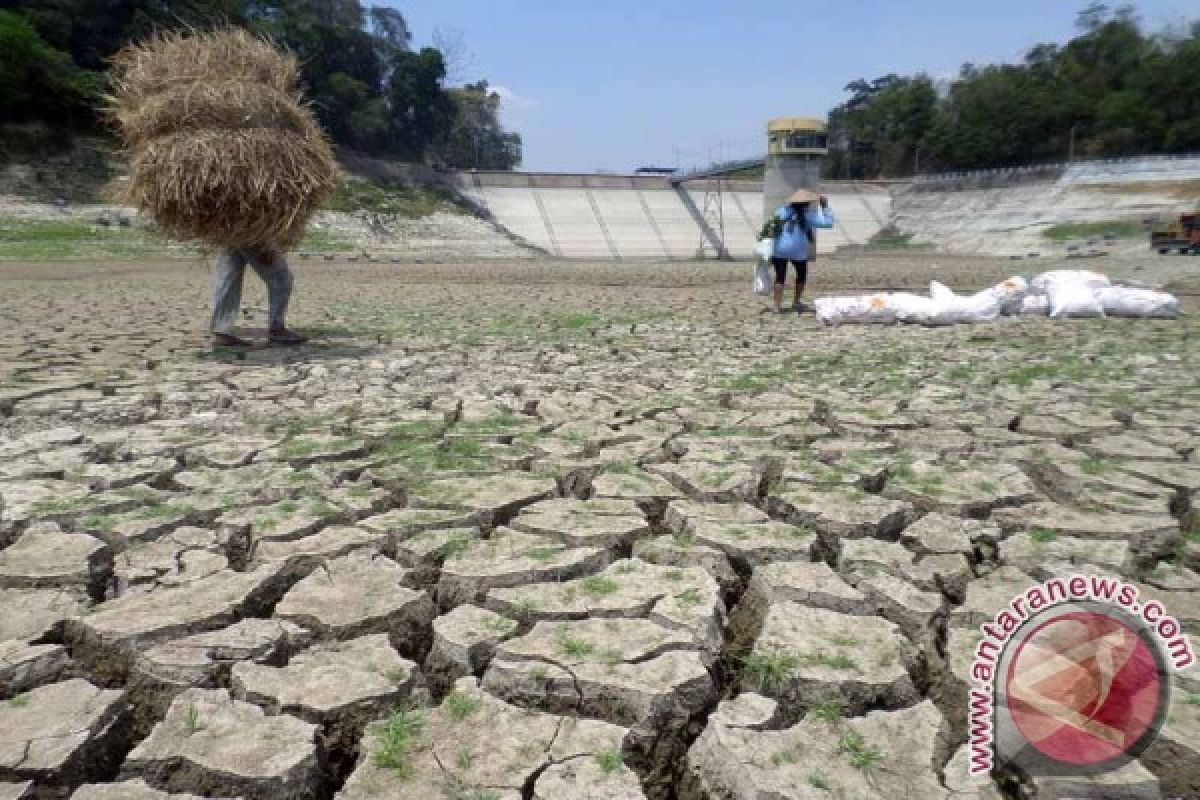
column 227, row 287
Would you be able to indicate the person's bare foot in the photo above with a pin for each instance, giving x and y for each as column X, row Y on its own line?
column 229, row 340
column 285, row 337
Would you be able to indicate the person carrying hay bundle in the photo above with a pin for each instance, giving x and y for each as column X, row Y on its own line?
column 222, row 151
column 271, row 266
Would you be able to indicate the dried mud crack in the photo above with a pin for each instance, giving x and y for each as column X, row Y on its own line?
column 515, row 534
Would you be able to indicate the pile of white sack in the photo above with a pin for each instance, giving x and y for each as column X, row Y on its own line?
column 1059, row 293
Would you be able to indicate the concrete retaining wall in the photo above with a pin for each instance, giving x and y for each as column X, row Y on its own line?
column 1006, row 212
column 1011, row 221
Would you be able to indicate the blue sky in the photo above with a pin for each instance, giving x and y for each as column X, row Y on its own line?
column 616, row 84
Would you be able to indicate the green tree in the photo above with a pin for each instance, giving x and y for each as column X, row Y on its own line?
column 476, row 139
column 366, row 86
column 1112, row 90
column 881, row 129
column 390, row 29
column 344, row 74
column 39, row 82
column 1166, row 83
column 92, row 30
column 419, row 108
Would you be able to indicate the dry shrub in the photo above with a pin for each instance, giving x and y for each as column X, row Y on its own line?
column 220, row 147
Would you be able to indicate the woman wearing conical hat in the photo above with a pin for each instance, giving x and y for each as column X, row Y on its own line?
column 797, row 241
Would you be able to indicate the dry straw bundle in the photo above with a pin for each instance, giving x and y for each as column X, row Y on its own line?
column 227, row 105
column 221, row 149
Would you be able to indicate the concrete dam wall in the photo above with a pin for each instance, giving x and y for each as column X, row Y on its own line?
column 638, row 217
column 996, row 212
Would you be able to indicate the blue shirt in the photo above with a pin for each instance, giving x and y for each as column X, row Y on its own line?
column 792, row 242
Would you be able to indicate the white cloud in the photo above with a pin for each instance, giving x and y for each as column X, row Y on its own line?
column 513, row 101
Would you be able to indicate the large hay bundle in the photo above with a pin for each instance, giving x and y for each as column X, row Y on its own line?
column 220, row 147
column 227, row 105
column 168, row 60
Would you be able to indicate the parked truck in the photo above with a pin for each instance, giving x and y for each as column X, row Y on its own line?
column 1183, row 236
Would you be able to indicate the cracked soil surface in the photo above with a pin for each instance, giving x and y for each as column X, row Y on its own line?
column 535, row 530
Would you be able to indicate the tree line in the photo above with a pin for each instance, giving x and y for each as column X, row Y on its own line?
column 1112, row 90
column 369, row 87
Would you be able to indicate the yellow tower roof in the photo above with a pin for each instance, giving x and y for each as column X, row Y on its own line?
column 795, row 124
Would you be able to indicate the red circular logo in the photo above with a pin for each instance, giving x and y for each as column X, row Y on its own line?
column 1084, row 688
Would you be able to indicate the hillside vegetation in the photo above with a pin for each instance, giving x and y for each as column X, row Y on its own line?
column 1113, row 90
column 371, row 89
column 32, row 228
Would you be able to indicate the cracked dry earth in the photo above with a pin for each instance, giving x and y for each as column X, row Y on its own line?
column 530, row 531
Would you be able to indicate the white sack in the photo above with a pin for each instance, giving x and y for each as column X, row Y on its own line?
column 951, row 309
column 913, row 309
column 1119, row 301
column 1071, row 299
column 1009, row 293
column 1034, row 305
column 940, row 291
column 764, row 277
column 765, row 248
column 1085, row 277
column 871, row 309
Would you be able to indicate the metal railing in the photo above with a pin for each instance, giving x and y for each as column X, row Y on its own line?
column 712, row 170
column 724, row 167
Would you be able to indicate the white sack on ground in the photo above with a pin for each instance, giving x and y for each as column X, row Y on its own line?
column 875, row 309
column 1009, row 293
column 940, row 291
column 1034, row 305
column 951, row 309
column 871, row 309
column 1066, row 293
column 1073, row 299
column 912, row 309
column 1118, row 301
column 1085, row 277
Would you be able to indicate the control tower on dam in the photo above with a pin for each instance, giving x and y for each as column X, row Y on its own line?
column 796, row 147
